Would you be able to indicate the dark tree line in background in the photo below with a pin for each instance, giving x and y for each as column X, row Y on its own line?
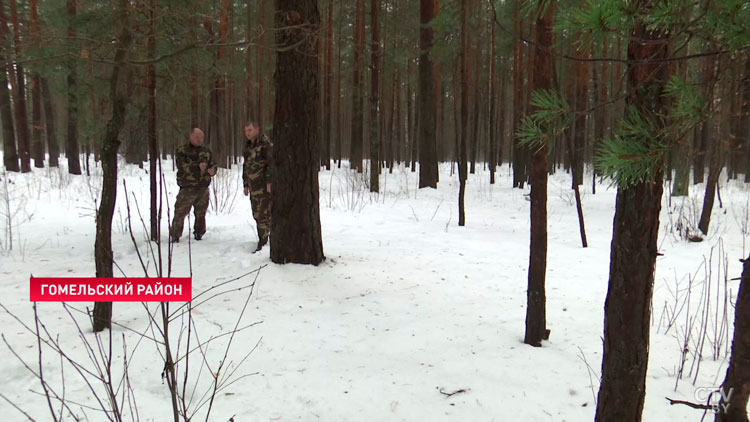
column 647, row 90
column 212, row 65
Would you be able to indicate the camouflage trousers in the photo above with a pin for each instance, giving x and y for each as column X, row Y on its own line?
column 196, row 198
column 261, row 204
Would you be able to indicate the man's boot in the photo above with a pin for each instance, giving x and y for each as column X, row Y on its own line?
column 261, row 243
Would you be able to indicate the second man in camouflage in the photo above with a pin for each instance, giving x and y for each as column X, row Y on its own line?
column 257, row 174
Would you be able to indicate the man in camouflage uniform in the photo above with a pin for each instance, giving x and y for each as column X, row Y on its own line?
column 256, row 177
column 195, row 167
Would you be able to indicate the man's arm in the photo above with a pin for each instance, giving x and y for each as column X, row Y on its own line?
column 245, row 168
column 211, row 164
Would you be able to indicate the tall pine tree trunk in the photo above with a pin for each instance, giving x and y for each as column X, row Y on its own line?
column 581, row 104
column 703, row 132
column 536, row 314
column 492, row 161
column 463, row 138
column 71, row 140
column 328, row 90
column 49, row 121
column 428, row 168
column 716, row 159
column 118, row 95
column 374, row 97
column 10, row 154
column 153, row 146
column 357, row 135
column 627, row 311
column 518, row 151
column 37, row 146
column 21, row 119
column 295, row 216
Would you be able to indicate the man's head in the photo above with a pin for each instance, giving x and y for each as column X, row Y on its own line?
column 196, row 137
column 252, row 130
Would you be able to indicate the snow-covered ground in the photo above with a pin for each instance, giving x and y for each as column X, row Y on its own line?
column 407, row 308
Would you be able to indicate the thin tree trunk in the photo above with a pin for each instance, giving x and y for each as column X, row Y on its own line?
column 21, row 119
column 493, row 94
column 428, row 168
column 716, row 161
column 518, row 151
column 536, row 314
column 581, row 105
column 259, row 64
column 295, row 219
column 627, row 310
column 37, row 146
column 10, row 154
column 102, row 314
column 153, row 146
column 463, row 140
column 703, row 134
column 374, row 97
column 327, row 103
column 71, row 141
column 339, row 118
column 49, row 120
column 357, row 135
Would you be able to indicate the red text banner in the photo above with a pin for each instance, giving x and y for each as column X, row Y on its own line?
column 95, row 289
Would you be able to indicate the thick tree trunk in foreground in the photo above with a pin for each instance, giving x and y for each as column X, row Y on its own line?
column 627, row 310
column 736, row 385
column 536, row 313
column 295, row 216
column 102, row 315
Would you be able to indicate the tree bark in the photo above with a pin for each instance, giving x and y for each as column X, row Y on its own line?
column 492, row 161
column 21, row 118
column 102, row 315
column 71, row 141
column 374, row 97
column 428, row 168
column 745, row 116
column 463, row 138
column 518, row 151
column 703, row 134
column 153, row 146
column 736, row 386
column 37, row 146
column 581, row 104
column 10, row 154
column 536, row 314
column 716, row 162
column 260, row 53
column 328, row 90
column 49, row 121
column 627, row 309
column 357, row 135
column 295, row 219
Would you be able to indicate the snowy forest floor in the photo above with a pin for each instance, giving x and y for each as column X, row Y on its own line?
column 407, row 308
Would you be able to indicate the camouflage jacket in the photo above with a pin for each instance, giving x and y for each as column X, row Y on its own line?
column 189, row 173
column 258, row 167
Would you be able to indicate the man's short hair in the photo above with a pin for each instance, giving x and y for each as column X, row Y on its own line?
column 252, row 123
